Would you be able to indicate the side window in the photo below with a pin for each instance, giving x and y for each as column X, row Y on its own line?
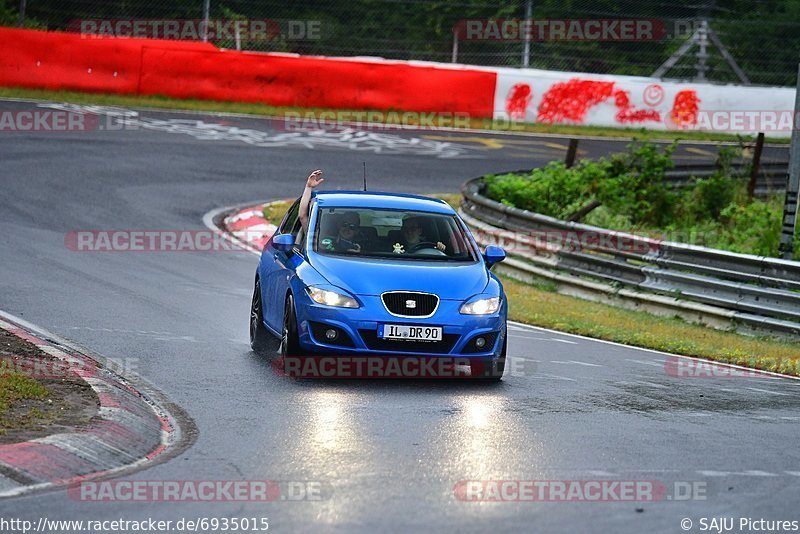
column 297, row 233
column 291, row 220
column 291, row 224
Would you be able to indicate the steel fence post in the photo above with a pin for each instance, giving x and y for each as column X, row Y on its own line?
column 792, row 182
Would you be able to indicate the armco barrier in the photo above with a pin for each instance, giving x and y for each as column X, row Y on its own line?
column 771, row 176
column 181, row 69
column 719, row 288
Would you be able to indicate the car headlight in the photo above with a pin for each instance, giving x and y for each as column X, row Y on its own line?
column 481, row 307
column 327, row 297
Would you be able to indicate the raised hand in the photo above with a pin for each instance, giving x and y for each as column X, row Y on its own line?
column 314, row 179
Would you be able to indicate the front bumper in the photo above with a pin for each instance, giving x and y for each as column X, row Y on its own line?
column 361, row 325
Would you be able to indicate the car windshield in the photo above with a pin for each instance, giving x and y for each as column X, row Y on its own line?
column 394, row 234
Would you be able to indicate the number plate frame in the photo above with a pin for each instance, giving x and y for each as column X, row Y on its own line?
column 406, row 332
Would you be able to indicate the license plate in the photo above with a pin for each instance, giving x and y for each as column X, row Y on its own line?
column 410, row 333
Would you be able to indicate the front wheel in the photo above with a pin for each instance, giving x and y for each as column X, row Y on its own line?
column 290, row 345
column 259, row 337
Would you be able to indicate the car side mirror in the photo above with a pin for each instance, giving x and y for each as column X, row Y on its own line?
column 493, row 254
column 283, row 242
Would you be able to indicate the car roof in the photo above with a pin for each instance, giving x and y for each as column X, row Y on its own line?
column 374, row 199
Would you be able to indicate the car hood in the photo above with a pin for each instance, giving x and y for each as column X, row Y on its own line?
column 363, row 276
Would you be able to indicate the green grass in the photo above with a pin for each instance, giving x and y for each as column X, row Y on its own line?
column 541, row 305
column 16, row 388
column 274, row 211
column 267, row 110
column 544, row 307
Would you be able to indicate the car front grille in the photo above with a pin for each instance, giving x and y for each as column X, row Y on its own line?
column 373, row 342
column 410, row 303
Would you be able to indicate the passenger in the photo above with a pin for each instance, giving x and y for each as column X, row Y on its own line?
column 344, row 241
column 313, row 181
column 346, row 235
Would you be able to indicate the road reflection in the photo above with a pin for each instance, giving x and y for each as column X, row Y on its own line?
column 330, row 426
column 482, row 433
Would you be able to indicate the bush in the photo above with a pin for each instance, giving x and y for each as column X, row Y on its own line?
column 636, row 187
column 706, row 198
column 629, row 184
column 634, row 196
column 754, row 228
column 553, row 190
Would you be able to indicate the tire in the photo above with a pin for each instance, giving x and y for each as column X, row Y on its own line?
column 290, row 344
column 259, row 337
column 490, row 370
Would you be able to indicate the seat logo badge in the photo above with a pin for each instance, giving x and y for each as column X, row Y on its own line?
column 411, row 304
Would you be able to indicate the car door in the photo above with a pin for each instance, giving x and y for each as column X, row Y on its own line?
column 272, row 267
column 281, row 269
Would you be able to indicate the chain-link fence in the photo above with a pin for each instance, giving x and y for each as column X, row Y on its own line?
column 743, row 40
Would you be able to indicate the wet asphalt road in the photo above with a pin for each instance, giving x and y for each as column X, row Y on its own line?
column 387, row 454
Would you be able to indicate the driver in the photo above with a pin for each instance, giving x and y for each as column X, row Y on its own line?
column 413, row 236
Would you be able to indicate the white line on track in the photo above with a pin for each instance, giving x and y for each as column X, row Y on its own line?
column 768, row 391
column 573, row 362
column 653, row 384
column 536, row 338
column 552, row 377
column 651, row 363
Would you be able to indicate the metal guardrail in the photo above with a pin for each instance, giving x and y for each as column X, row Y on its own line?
column 720, row 288
column 770, row 178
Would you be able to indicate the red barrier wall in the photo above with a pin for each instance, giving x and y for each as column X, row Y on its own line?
column 183, row 69
column 51, row 60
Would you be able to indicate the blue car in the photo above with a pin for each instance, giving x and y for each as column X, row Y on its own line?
column 380, row 274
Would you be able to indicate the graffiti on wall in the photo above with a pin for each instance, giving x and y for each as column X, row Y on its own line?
column 571, row 101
